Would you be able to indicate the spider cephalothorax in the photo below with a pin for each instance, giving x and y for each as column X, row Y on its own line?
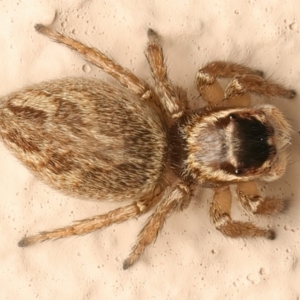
column 217, row 145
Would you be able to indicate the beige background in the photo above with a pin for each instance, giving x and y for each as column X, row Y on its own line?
column 190, row 259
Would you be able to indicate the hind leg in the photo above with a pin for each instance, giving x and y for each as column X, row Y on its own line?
column 89, row 225
column 99, row 59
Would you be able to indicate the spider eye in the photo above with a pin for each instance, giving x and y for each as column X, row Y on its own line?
column 237, row 171
column 230, row 169
column 252, row 147
column 232, row 116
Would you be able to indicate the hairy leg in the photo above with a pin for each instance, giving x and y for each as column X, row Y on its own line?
column 172, row 98
column 245, row 80
column 228, row 69
column 251, row 201
column 174, row 200
column 220, row 216
column 256, row 84
column 96, row 57
column 209, row 88
column 86, row 226
column 207, row 84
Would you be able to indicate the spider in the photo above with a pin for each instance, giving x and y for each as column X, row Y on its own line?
column 135, row 143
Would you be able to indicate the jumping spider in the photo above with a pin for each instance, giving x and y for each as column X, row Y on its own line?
column 93, row 140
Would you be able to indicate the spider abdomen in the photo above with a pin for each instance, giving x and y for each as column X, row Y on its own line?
column 86, row 138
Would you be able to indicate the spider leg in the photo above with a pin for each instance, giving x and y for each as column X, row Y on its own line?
column 245, row 80
column 220, row 216
column 206, row 79
column 86, row 226
column 174, row 200
column 97, row 58
column 256, row 84
column 252, row 202
column 172, row 98
column 228, row 69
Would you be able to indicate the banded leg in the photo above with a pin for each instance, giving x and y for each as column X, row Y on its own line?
column 172, row 98
column 255, row 84
column 176, row 199
column 245, row 80
column 252, row 202
column 86, row 226
column 97, row 58
column 208, row 86
column 220, row 216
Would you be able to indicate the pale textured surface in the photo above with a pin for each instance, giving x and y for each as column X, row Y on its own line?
column 190, row 259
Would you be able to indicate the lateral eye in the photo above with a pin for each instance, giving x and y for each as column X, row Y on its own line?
column 271, row 130
column 230, row 169
column 232, row 116
column 239, row 171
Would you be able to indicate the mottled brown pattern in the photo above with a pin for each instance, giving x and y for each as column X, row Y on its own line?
column 28, row 113
column 13, row 136
column 59, row 163
column 90, row 127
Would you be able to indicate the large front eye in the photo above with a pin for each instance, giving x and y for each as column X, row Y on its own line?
column 251, row 142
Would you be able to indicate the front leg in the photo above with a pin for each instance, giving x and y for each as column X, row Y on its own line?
column 172, row 98
column 209, row 87
column 252, row 202
column 256, row 84
column 245, row 81
column 220, row 216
